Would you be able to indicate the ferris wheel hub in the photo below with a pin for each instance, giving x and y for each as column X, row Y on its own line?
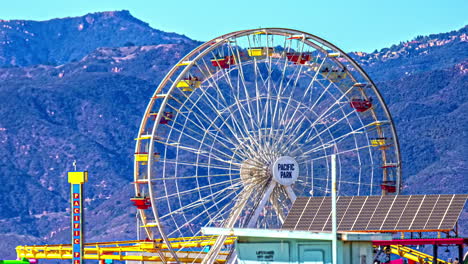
column 252, row 171
column 285, row 170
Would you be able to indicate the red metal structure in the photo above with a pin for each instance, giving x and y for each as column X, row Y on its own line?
column 223, row 62
column 141, row 202
column 298, row 58
column 389, row 186
column 361, row 105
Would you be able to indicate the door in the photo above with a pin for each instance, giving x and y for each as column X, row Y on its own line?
column 311, row 255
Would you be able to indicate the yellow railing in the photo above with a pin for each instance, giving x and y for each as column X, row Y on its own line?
column 133, row 250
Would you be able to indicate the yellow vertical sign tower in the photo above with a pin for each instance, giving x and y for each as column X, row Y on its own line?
column 76, row 180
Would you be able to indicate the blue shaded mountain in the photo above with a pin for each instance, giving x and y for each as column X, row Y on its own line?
column 59, row 41
column 89, row 107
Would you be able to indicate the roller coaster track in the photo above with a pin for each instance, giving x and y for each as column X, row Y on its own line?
column 414, row 255
column 133, row 250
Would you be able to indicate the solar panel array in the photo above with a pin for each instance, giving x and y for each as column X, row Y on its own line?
column 390, row 213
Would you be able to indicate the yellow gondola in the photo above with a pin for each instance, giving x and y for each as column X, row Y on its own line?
column 188, row 84
column 260, row 51
column 143, row 157
column 378, row 142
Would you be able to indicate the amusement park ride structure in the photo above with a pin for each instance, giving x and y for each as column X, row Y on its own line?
column 239, row 129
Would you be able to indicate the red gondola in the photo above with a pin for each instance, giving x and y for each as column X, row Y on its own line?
column 164, row 119
column 223, row 62
column 361, row 105
column 141, row 202
column 389, row 186
column 298, row 58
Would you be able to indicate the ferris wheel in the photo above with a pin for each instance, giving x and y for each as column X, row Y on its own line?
column 247, row 122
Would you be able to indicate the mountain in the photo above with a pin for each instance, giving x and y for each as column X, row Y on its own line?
column 59, row 41
column 81, row 97
column 425, row 83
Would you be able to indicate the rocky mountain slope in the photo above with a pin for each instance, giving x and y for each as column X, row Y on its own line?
column 422, row 54
column 88, row 109
column 59, row 41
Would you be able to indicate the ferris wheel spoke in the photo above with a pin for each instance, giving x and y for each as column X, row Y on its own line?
column 204, row 200
column 274, row 200
column 240, row 107
column 329, row 143
column 196, row 189
column 347, row 182
column 290, row 131
column 319, row 118
column 261, row 204
column 188, row 163
column 229, row 223
column 292, row 196
column 311, row 84
column 198, row 150
column 220, row 214
column 194, row 176
column 255, row 126
column 300, row 124
column 289, row 125
column 225, row 139
column 281, row 119
column 273, row 110
column 257, row 93
column 247, row 99
column 199, row 215
column 239, row 127
column 235, row 132
column 303, row 158
column 353, row 132
column 194, row 132
column 241, row 77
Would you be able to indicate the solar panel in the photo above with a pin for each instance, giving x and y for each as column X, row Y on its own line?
column 379, row 213
column 296, row 212
column 342, row 208
column 453, row 212
column 424, row 212
column 366, row 214
column 353, row 211
column 394, row 215
column 409, row 213
column 403, row 213
column 437, row 215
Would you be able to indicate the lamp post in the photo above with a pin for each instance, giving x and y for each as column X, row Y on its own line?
column 333, row 193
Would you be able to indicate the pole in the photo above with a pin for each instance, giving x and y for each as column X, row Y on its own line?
column 334, row 231
column 76, row 180
column 460, row 254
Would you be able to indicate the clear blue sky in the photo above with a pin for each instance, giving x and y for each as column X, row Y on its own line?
column 362, row 25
